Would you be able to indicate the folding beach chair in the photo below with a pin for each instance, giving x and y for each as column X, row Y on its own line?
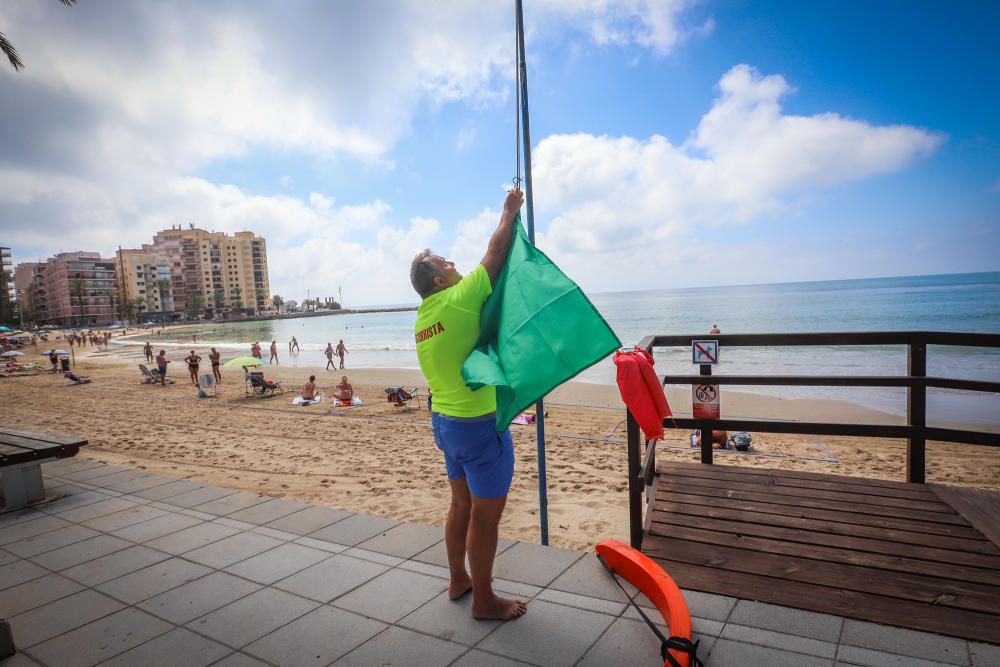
column 148, row 376
column 261, row 386
column 206, row 383
column 400, row 397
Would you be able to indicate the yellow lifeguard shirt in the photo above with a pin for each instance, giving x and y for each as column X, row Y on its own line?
column 447, row 329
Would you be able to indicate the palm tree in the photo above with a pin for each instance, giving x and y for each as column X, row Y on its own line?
column 219, row 298
column 113, row 295
column 8, row 48
column 278, row 301
column 237, row 302
column 163, row 288
column 128, row 309
column 196, row 302
column 261, row 295
column 76, row 288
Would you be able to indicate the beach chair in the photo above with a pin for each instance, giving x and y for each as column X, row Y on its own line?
column 148, row 376
column 260, row 386
column 206, row 383
column 400, row 397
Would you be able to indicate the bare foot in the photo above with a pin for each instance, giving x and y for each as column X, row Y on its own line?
column 459, row 586
column 499, row 609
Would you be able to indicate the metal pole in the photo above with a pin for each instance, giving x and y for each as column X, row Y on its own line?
column 522, row 76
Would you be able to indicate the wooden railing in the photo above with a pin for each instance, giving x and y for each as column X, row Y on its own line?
column 642, row 462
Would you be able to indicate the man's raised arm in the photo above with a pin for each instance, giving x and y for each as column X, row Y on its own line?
column 496, row 253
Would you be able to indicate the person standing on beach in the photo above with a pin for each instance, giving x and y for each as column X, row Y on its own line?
column 329, row 357
column 215, row 357
column 479, row 461
column 161, row 365
column 341, row 351
column 294, row 343
column 274, row 354
column 193, row 362
column 148, row 351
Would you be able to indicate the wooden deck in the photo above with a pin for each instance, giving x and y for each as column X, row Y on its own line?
column 918, row 556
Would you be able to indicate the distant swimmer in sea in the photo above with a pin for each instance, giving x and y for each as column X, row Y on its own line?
column 215, row 357
column 329, row 356
column 193, row 362
column 715, row 329
column 341, row 351
column 274, row 354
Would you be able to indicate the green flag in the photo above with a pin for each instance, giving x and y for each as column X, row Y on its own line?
column 537, row 330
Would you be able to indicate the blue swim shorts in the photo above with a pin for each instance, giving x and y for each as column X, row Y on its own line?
column 474, row 450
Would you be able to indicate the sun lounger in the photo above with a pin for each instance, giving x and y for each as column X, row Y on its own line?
column 206, row 383
column 151, row 376
column 258, row 385
column 401, row 397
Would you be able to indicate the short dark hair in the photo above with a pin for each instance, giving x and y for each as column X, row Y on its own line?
column 312, row 378
column 422, row 273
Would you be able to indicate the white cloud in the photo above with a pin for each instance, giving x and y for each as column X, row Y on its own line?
column 607, row 196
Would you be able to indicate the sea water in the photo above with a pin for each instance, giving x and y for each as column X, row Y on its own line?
column 963, row 302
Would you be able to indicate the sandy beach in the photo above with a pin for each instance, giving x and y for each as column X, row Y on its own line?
column 382, row 460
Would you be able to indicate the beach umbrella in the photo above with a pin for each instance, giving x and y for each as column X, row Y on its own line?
column 12, row 353
column 243, row 361
column 62, row 353
column 5, row 328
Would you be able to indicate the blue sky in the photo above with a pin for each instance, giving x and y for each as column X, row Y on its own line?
column 676, row 144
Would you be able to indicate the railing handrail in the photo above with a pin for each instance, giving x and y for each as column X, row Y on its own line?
column 915, row 381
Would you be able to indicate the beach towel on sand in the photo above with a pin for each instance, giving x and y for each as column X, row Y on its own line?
column 298, row 400
column 537, row 330
column 341, row 403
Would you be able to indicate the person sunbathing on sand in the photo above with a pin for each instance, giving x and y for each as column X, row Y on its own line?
column 478, row 460
column 309, row 389
column 345, row 391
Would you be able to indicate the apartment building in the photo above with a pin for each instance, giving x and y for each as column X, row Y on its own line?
column 6, row 286
column 72, row 289
column 145, row 285
column 210, row 273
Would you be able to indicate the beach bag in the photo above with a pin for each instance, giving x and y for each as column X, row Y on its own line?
column 741, row 440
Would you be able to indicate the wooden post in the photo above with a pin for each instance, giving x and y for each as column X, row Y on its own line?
column 916, row 413
column 706, row 426
column 634, row 487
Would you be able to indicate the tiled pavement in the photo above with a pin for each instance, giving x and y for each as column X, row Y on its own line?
column 128, row 568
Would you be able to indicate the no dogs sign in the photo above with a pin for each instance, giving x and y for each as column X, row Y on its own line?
column 705, row 401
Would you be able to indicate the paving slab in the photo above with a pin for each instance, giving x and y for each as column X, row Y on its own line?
column 533, row 563
column 115, row 565
column 984, row 654
column 200, row 496
column 438, row 554
column 8, row 519
column 323, row 545
column 163, row 491
column 278, row 563
column 549, row 634
column 152, row 580
column 196, row 598
column 177, row 647
column 702, row 605
column 905, row 642
column 26, row 529
column 154, row 528
column 81, row 552
column 582, row 602
column 18, row 571
column 392, row 595
column 331, row 578
column 191, row 538
column 629, row 642
column 93, row 473
column 106, row 481
column 55, row 539
column 140, row 483
column 785, row 619
column 780, row 640
column 318, row 638
column 449, row 619
column 35, row 593
column 266, row 512
column 101, row 639
column 866, row 657
column 426, row 568
column 72, row 499
column 276, row 534
column 123, row 518
column 405, row 540
column 308, row 520
column 250, row 618
column 231, row 550
column 240, row 660
column 18, row 660
column 727, row 653
column 232, row 503
column 588, row 577
column 477, row 658
column 242, row 525
column 375, row 557
column 61, row 616
column 203, row 516
column 703, row 627
column 354, row 529
column 397, row 646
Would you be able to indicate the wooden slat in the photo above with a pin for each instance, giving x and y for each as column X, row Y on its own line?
column 800, row 474
column 11, row 450
column 661, row 522
column 818, row 494
column 834, row 554
column 918, row 588
column 981, row 508
column 852, row 604
column 911, row 491
column 822, row 529
column 821, row 514
column 45, row 437
column 666, row 485
column 30, row 443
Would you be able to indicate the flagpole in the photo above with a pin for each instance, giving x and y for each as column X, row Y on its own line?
column 522, row 76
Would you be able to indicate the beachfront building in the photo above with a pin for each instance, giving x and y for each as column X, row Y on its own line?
column 73, row 289
column 6, row 286
column 209, row 273
column 145, row 286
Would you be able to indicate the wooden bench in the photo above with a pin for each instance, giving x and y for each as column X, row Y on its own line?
column 22, row 454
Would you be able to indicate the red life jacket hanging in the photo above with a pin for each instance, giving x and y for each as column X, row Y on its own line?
column 641, row 391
